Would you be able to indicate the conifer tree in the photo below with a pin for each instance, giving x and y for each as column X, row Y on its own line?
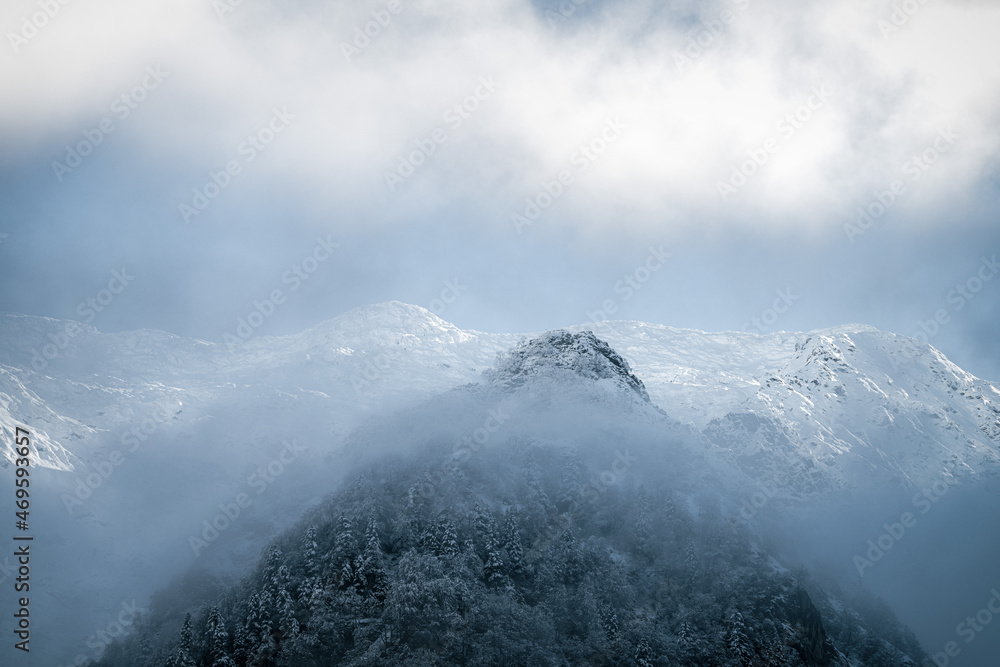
column 182, row 657
column 370, row 575
column 241, row 645
column 737, row 643
column 310, row 559
column 218, row 641
column 493, row 570
column 343, row 553
column 643, row 654
column 512, row 544
column 448, row 544
column 287, row 623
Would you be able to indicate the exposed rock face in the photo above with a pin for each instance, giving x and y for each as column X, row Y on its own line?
column 557, row 352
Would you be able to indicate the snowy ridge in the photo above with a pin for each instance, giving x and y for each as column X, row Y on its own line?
column 826, row 407
column 844, row 408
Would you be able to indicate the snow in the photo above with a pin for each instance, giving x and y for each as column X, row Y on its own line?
column 843, row 407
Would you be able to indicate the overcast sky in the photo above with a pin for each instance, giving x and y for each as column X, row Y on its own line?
column 716, row 153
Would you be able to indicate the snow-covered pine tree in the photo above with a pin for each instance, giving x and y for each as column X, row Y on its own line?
column 145, row 649
column 669, row 507
column 310, row 559
column 275, row 571
column 484, row 526
column 737, row 642
column 448, row 545
column 643, row 654
column 609, row 623
column 493, row 569
column 241, row 647
column 264, row 647
column 218, row 641
column 370, row 575
column 288, row 624
column 685, row 639
column 344, row 543
column 429, row 541
column 182, row 656
column 511, row 539
column 691, row 558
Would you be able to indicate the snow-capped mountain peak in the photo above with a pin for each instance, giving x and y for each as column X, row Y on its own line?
column 555, row 354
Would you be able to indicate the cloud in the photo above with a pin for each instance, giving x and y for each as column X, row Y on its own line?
column 694, row 112
column 612, row 127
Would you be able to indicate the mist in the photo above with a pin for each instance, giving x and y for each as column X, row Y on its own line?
column 255, row 252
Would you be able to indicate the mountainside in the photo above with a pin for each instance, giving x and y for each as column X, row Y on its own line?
column 515, row 557
column 850, row 400
column 138, row 424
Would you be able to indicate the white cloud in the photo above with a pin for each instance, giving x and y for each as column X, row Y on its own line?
column 687, row 129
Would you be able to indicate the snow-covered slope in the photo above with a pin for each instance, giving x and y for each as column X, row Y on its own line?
column 188, row 423
column 824, row 409
column 827, row 408
column 364, row 360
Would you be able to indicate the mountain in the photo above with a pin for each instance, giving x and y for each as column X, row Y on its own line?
column 556, row 354
column 511, row 556
column 849, row 400
column 144, row 424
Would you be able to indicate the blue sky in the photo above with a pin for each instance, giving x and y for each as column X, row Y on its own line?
column 515, row 159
